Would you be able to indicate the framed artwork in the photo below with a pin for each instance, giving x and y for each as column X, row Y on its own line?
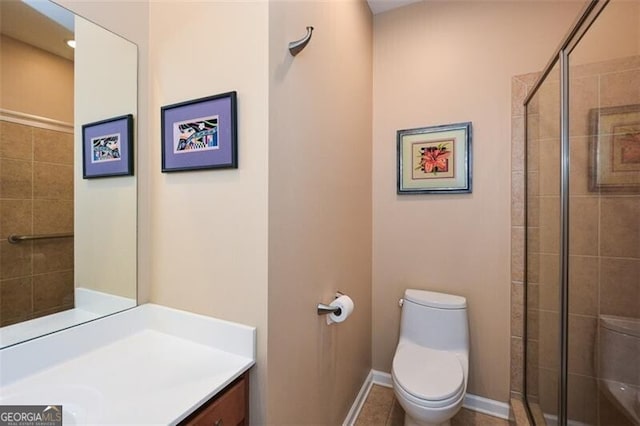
column 615, row 149
column 107, row 148
column 435, row 160
column 200, row 134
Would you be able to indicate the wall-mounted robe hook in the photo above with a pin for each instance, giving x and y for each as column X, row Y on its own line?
column 296, row 47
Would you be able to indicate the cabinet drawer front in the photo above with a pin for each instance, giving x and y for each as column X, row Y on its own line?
column 227, row 410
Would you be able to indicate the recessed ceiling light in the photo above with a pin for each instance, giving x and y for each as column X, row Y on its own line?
column 71, row 44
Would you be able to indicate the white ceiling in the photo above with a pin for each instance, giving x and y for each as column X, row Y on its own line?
column 379, row 6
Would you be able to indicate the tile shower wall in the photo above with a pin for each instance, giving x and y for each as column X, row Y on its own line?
column 604, row 275
column 36, row 197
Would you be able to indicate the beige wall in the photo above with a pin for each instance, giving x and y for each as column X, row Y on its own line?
column 208, row 240
column 35, row 82
column 319, row 208
column 438, row 63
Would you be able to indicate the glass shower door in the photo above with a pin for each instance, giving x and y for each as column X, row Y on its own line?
column 604, row 217
column 543, row 248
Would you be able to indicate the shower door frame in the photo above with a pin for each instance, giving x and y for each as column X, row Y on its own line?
column 586, row 18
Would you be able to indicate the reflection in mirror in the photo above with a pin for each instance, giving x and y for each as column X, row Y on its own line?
column 74, row 254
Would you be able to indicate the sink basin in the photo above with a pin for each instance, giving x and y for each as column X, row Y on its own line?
column 80, row 404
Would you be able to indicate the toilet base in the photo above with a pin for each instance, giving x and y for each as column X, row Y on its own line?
column 408, row 421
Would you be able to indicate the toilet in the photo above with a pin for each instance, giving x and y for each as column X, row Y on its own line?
column 619, row 363
column 431, row 363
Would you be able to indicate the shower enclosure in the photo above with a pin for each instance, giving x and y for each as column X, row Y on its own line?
column 582, row 230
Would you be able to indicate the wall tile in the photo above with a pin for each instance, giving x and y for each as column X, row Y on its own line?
column 548, row 379
column 582, row 336
column 583, row 97
column 517, row 199
column 584, row 273
column 16, row 179
column 52, row 147
column 620, row 227
column 15, row 217
column 52, row 181
column 549, row 225
column 532, row 147
column 517, row 367
column 517, row 144
column 606, row 67
column 582, row 401
column 15, row 300
column 533, row 260
column 549, row 339
column 549, row 171
column 533, row 324
column 580, row 166
column 620, row 287
column 518, row 94
column 533, row 297
column 15, row 141
column 53, row 290
column 517, row 309
column 583, row 226
column 52, row 216
column 532, row 368
column 549, row 100
column 52, row 255
column 517, row 253
column 15, row 259
column 615, row 88
column 549, row 282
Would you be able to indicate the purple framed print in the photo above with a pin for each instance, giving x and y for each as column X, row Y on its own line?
column 107, row 148
column 200, row 134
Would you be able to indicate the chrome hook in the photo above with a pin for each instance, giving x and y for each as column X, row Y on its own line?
column 296, row 47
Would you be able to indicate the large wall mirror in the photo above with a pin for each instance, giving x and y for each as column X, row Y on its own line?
column 72, row 254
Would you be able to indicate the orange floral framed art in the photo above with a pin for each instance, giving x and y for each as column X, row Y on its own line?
column 435, row 160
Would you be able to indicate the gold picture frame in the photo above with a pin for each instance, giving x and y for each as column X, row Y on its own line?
column 615, row 149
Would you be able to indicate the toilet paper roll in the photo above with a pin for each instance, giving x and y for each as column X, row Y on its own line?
column 346, row 307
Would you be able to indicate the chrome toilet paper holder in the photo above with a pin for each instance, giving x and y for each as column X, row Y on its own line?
column 326, row 309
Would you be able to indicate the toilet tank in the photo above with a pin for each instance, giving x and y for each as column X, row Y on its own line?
column 435, row 320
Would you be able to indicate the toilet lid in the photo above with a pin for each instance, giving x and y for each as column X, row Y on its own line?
column 427, row 373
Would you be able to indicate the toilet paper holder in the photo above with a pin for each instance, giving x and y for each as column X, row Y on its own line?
column 326, row 309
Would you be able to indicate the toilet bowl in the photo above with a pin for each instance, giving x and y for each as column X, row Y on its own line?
column 431, row 363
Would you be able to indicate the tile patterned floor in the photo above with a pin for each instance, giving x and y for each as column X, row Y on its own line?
column 382, row 409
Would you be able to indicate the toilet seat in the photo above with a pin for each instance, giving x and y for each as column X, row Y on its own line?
column 431, row 377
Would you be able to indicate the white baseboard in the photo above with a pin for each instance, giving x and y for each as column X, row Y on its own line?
column 471, row 402
column 486, row 406
column 353, row 413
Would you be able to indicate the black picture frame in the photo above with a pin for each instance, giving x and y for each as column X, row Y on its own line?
column 200, row 134
column 107, row 148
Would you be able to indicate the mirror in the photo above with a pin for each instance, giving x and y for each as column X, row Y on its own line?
column 73, row 258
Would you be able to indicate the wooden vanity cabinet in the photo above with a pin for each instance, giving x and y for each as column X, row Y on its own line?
column 230, row 407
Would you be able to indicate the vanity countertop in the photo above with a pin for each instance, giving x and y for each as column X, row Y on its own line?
column 147, row 365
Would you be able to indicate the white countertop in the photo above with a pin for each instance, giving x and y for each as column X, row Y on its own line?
column 148, row 365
